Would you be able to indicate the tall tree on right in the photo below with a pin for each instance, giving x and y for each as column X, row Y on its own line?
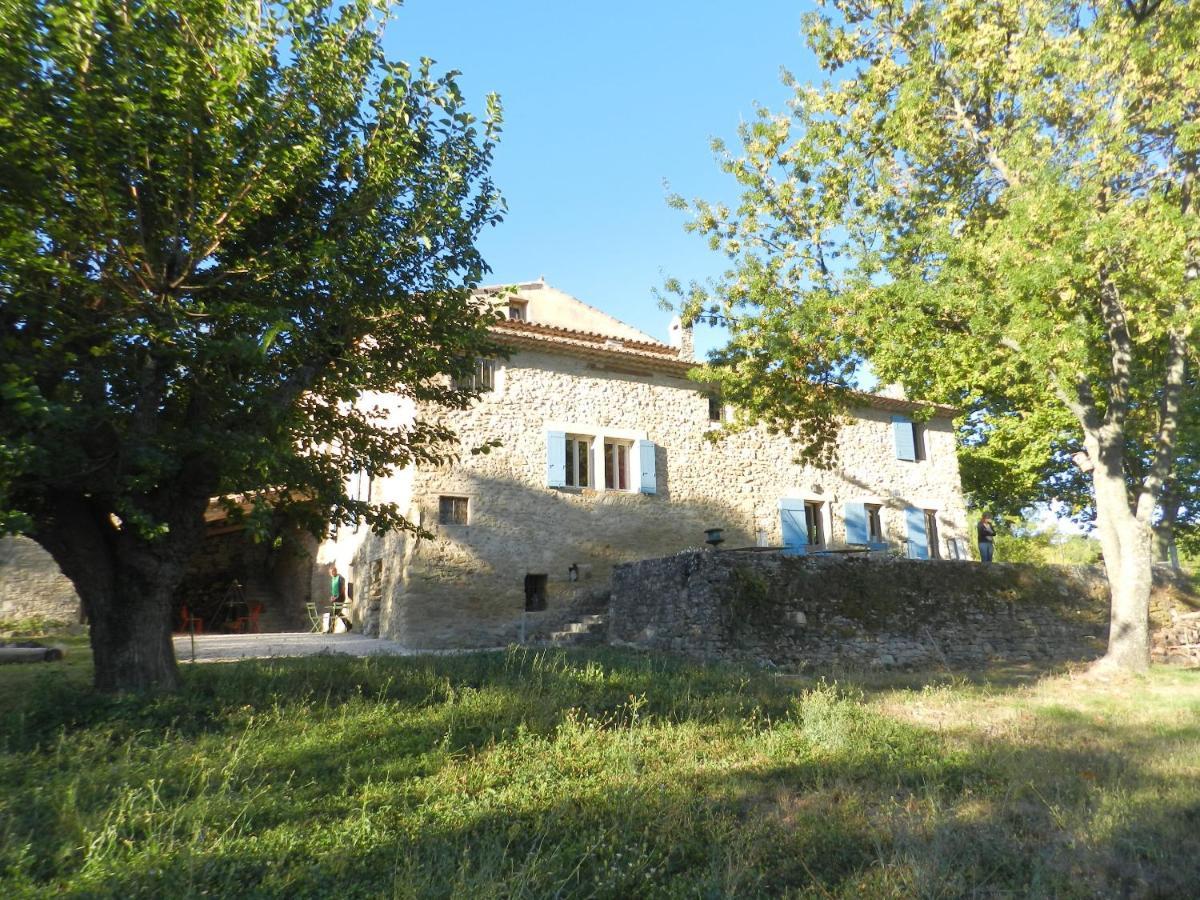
column 994, row 204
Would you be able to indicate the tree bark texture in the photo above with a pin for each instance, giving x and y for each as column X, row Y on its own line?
column 127, row 584
column 1127, row 542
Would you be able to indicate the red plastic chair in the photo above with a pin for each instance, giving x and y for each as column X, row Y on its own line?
column 191, row 623
column 248, row 623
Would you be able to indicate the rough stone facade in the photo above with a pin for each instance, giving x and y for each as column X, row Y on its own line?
column 31, row 585
column 277, row 578
column 466, row 586
column 862, row 613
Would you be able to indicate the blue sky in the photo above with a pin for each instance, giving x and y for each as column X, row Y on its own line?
column 603, row 103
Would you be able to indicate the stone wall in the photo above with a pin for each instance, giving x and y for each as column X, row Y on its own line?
column 31, row 585
column 465, row 585
column 864, row 612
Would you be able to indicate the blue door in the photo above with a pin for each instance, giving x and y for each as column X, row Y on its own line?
column 795, row 530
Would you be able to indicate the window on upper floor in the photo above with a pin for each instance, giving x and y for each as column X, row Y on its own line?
column 616, row 465
column 909, row 439
column 578, row 460
column 518, row 311
column 483, row 379
column 605, row 462
column 453, row 510
column 716, row 409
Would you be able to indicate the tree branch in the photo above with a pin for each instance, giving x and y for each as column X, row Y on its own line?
column 1120, row 347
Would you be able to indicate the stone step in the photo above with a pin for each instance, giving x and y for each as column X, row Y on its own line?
column 575, row 638
column 576, row 628
column 588, row 629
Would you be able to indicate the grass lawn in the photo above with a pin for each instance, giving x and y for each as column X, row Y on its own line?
column 595, row 774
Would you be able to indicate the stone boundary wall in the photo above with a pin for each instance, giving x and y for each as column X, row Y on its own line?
column 31, row 585
column 822, row 612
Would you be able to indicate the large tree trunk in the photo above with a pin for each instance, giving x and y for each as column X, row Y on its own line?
column 127, row 584
column 1127, row 543
column 131, row 626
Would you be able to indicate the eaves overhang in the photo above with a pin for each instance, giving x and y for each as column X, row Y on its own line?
column 644, row 358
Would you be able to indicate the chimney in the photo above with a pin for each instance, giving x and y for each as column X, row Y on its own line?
column 681, row 339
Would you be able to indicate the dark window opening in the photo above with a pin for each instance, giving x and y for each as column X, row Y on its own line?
column 452, row 510
column 535, row 592
column 874, row 524
column 812, row 521
column 931, row 533
column 516, row 311
column 716, row 409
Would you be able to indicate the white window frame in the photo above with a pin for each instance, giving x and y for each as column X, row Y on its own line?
column 575, row 453
column 454, row 498
column 874, row 512
column 599, row 437
column 814, row 521
column 620, row 446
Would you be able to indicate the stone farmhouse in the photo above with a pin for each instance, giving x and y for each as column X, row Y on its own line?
column 605, row 458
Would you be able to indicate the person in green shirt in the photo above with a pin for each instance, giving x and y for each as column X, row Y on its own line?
column 337, row 598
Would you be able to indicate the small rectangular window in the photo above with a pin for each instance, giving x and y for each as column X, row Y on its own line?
column 579, row 451
column 874, row 524
column 931, row 533
column 516, row 310
column 616, row 466
column 716, row 409
column 452, row 510
column 483, row 379
column 812, row 522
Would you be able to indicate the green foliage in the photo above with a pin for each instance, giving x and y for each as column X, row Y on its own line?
column 600, row 774
column 221, row 225
column 1046, row 548
column 993, row 205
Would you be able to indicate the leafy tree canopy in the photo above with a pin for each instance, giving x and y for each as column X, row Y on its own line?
column 221, row 223
column 993, row 204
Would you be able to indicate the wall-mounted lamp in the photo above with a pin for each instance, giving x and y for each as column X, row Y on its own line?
column 573, row 572
column 712, row 537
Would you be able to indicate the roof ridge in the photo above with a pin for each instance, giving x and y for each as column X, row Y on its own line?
column 598, row 335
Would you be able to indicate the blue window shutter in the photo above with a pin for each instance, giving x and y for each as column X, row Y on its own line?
column 918, row 541
column 644, row 454
column 856, row 523
column 906, row 445
column 795, row 530
column 556, row 459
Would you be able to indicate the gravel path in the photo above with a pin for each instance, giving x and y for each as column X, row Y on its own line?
column 225, row 647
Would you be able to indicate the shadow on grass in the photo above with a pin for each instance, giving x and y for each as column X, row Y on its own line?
column 599, row 774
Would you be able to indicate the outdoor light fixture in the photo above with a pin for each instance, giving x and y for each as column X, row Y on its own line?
column 573, row 572
column 712, row 537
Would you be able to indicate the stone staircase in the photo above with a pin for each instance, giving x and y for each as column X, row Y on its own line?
column 580, row 631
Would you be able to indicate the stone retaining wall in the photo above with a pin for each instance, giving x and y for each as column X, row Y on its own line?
column 864, row 612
